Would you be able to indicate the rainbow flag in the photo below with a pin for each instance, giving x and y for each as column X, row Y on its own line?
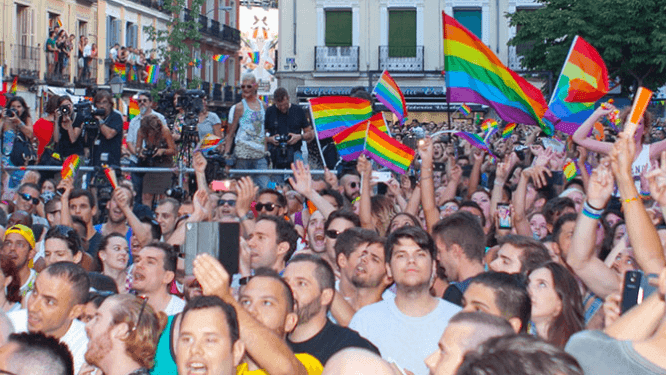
column 14, row 87
column 388, row 92
column 508, row 129
column 570, row 170
column 220, row 58
column 465, row 109
column 351, row 141
column 132, row 75
column 153, row 73
column 121, row 70
column 475, row 140
column 58, row 22
column 254, row 57
column 332, row 114
column 387, row 151
column 209, row 143
column 474, row 74
column 70, row 166
column 111, row 176
column 488, row 125
column 133, row 109
column 583, row 81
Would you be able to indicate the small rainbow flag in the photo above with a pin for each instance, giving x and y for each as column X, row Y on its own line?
column 387, row 151
column 332, row 114
column 14, row 87
column 508, row 130
column 641, row 102
column 132, row 76
column 220, row 58
column 351, row 141
column 465, row 109
column 388, row 92
column 153, row 73
column 570, row 170
column 121, row 70
column 133, row 109
column 58, row 22
column 209, row 142
column 111, row 175
column 475, row 140
column 254, row 57
column 70, row 166
column 489, row 124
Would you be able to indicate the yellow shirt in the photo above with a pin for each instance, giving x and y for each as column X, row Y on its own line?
column 311, row 364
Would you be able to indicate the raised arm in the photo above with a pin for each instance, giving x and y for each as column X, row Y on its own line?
column 427, row 185
column 364, row 167
column 123, row 197
column 537, row 174
column 302, row 183
column 231, row 132
column 581, row 138
column 599, row 278
column 266, row 348
column 475, row 174
column 66, row 186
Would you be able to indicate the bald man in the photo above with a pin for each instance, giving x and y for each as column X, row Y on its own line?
column 359, row 362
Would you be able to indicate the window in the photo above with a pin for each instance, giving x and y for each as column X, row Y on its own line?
column 25, row 21
column 131, row 34
column 53, row 20
column 402, row 33
column 220, row 74
column 113, row 29
column 83, row 28
column 470, row 18
column 338, row 28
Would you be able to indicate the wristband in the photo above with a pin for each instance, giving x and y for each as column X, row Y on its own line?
column 629, row 200
column 593, row 209
column 590, row 214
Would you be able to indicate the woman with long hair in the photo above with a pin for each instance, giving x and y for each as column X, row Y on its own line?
column 557, row 307
column 156, row 148
column 113, row 256
column 403, row 219
column 10, row 287
column 16, row 126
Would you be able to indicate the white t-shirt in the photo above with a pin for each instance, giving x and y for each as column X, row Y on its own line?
column 75, row 338
column 175, row 306
column 405, row 339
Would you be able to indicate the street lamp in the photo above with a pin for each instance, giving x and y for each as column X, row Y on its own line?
column 116, row 84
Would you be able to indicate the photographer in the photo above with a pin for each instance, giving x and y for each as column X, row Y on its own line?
column 17, row 132
column 156, row 149
column 68, row 129
column 107, row 144
column 145, row 102
column 287, row 127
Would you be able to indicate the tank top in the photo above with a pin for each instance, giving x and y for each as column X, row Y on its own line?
column 250, row 134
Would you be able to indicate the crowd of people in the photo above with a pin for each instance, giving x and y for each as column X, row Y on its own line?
column 134, row 59
column 340, row 273
column 59, row 47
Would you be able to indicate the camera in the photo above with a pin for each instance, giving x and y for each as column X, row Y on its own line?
column 216, row 163
column 192, row 103
column 11, row 112
column 64, row 110
column 86, row 110
column 147, row 157
column 282, row 154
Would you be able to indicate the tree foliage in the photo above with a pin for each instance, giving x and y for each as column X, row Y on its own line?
column 630, row 35
column 177, row 43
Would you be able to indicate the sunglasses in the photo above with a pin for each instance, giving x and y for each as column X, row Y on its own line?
column 332, row 234
column 268, row 206
column 29, row 198
column 246, row 86
column 142, row 101
column 230, row 202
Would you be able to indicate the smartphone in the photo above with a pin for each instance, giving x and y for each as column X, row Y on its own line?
column 221, row 240
column 555, row 145
column 504, row 213
column 636, row 289
column 381, row 176
column 557, row 178
column 221, row 185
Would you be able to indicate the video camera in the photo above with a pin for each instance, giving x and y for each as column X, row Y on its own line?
column 88, row 112
column 192, row 103
column 282, row 154
column 165, row 106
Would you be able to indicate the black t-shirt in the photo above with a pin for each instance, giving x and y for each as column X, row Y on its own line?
column 65, row 147
column 293, row 121
column 107, row 151
column 330, row 340
column 93, row 248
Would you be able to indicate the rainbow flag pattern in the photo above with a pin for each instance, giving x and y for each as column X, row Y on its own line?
column 387, row 151
column 58, row 22
column 475, row 140
column 475, row 74
column 255, row 56
column 121, row 70
column 570, row 170
column 220, row 58
column 14, row 87
column 332, row 114
column 351, row 141
column 133, row 109
column 488, row 125
column 508, row 130
column 70, row 166
column 465, row 109
column 209, row 143
column 582, row 82
column 153, row 73
column 388, row 92
column 111, row 176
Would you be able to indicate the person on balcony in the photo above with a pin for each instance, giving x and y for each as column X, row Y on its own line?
column 87, row 57
column 50, row 50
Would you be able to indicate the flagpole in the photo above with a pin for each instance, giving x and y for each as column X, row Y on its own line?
column 321, row 152
column 552, row 94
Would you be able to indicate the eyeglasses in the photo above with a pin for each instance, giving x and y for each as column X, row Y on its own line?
column 142, row 101
column 332, row 234
column 268, row 206
column 27, row 197
column 230, row 202
column 143, row 308
column 246, row 86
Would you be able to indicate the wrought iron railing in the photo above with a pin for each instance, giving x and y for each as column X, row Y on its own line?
column 401, row 59
column 336, row 59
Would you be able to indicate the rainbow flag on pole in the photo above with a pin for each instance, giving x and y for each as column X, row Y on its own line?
column 475, row 140
column 465, row 109
column 121, row 70
column 59, row 23
column 474, row 74
column 387, row 151
column 153, row 73
column 489, row 124
column 351, row 141
column 220, row 58
column 332, row 114
column 583, row 81
column 133, row 109
column 388, row 92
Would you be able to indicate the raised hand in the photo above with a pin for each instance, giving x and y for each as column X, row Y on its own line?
column 426, row 150
column 330, row 178
column 246, row 192
column 612, row 309
column 601, row 185
column 121, row 196
column 657, row 181
column 502, row 171
column 364, row 166
column 199, row 162
column 544, row 157
column 200, row 201
column 65, row 187
column 212, row 276
column 622, row 157
column 538, row 175
column 302, row 180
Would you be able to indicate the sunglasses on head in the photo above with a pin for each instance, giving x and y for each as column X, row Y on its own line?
column 230, row 202
column 29, row 198
column 332, row 234
column 268, row 206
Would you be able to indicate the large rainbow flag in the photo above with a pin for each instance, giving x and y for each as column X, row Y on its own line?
column 583, row 81
column 388, row 92
column 474, row 74
column 332, row 114
column 220, row 58
column 387, row 151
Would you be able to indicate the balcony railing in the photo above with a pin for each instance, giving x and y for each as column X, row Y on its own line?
column 231, row 35
column 89, row 76
column 134, row 75
column 217, row 92
column 336, row 59
column 203, row 24
column 401, row 59
column 214, row 28
column 25, row 62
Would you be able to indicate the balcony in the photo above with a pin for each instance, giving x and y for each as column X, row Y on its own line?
column 231, row 35
column 203, row 24
column 205, row 87
column 134, row 75
column 214, row 28
column 336, row 59
column 187, row 16
column 217, row 92
column 25, row 62
column 88, row 76
column 401, row 59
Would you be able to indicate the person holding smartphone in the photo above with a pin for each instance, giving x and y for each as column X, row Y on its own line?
column 17, row 136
